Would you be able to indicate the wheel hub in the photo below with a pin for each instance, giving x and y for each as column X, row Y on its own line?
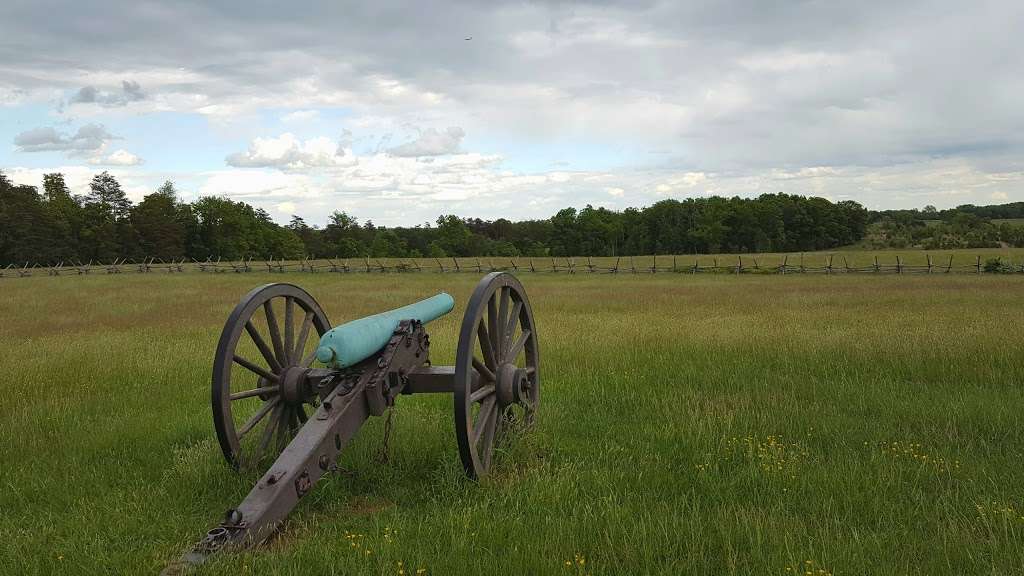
column 511, row 385
column 293, row 385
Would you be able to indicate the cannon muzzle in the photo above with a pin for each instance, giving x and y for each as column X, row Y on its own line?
column 355, row 341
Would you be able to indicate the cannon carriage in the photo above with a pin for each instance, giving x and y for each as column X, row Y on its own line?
column 285, row 402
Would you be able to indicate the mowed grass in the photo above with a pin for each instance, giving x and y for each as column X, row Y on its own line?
column 689, row 425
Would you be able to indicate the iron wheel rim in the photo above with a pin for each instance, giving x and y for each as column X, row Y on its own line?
column 282, row 419
column 498, row 300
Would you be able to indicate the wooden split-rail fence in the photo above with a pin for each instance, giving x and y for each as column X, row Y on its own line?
column 796, row 264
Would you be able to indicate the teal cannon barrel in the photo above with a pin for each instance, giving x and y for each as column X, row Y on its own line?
column 357, row 340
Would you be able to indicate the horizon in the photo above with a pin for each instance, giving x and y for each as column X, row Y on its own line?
column 391, row 114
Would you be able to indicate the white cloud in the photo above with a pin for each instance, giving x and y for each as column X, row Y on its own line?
column 289, row 153
column 999, row 196
column 615, row 191
column 117, row 158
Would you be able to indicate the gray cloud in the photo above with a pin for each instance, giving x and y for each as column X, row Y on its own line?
column 431, row 142
column 130, row 92
column 88, row 138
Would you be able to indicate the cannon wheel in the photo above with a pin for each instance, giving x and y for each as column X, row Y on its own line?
column 497, row 342
column 264, row 346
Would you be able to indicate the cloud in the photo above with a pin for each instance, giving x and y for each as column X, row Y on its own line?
column 753, row 95
column 289, row 153
column 117, row 158
column 131, row 91
column 88, row 138
column 431, row 142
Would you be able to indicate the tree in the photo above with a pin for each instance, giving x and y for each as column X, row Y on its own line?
column 106, row 191
column 158, row 222
column 29, row 232
column 310, row 236
column 453, row 236
column 387, row 244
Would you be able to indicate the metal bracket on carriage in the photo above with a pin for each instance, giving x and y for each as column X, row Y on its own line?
column 408, row 347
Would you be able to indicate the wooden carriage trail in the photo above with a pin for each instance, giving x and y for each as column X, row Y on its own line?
column 795, row 264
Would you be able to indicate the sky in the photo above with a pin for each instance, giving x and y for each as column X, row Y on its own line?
column 398, row 112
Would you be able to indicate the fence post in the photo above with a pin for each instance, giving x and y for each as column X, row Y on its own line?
column 978, row 264
column 949, row 266
column 929, row 256
column 899, row 265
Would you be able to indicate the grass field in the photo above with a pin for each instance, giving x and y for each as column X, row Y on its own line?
column 690, row 425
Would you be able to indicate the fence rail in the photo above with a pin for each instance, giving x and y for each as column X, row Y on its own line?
column 784, row 264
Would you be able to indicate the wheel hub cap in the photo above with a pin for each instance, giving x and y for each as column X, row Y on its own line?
column 293, row 382
column 511, row 384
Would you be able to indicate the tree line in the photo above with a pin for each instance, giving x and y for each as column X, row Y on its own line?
column 53, row 225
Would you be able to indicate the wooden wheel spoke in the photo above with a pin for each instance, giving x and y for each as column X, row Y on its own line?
column 482, row 393
column 487, row 442
column 267, row 407
column 493, row 330
column 300, row 342
column 485, row 346
column 482, row 417
column 275, row 332
column 255, row 392
column 485, row 372
column 248, row 365
column 268, row 355
column 308, row 360
column 517, row 347
column 513, row 319
column 268, row 434
column 289, row 328
column 282, row 428
column 501, row 321
column 293, row 421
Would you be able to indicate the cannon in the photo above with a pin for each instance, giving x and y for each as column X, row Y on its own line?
column 285, row 404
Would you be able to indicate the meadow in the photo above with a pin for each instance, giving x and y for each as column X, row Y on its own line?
column 708, row 424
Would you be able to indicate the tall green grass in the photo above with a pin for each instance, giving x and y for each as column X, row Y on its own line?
column 689, row 425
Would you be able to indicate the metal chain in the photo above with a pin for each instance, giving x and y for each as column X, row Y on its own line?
column 383, row 454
